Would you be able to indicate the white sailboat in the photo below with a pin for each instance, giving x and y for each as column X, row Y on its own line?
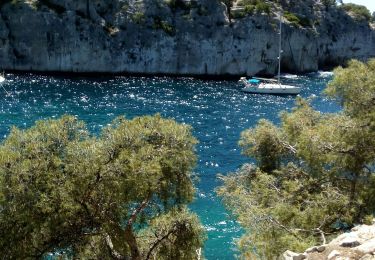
column 2, row 78
column 2, row 81
column 270, row 86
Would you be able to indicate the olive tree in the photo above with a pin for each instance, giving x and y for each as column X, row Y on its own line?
column 121, row 195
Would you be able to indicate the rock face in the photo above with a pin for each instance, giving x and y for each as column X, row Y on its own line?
column 181, row 37
column 359, row 244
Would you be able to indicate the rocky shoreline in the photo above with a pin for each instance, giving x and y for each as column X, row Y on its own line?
column 359, row 244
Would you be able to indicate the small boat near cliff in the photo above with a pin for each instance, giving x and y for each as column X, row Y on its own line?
column 2, row 81
column 2, row 78
column 270, row 86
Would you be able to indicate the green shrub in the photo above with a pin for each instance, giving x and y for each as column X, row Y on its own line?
column 329, row 3
column 297, row 20
column 247, row 2
column 359, row 12
column 292, row 18
column 175, row 4
column 238, row 15
column 263, row 7
column 255, row 6
column 138, row 17
column 249, row 9
column 164, row 25
column 305, row 22
column 125, row 7
column 168, row 28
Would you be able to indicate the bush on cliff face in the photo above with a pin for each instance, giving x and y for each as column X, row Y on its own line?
column 297, row 20
column 159, row 23
column 315, row 173
column 175, row 4
column 122, row 195
column 329, row 3
column 138, row 18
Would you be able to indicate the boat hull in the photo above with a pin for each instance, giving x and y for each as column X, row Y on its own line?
column 274, row 89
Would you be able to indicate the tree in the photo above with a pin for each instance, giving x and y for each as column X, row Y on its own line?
column 315, row 173
column 229, row 5
column 329, row 3
column 121, row 195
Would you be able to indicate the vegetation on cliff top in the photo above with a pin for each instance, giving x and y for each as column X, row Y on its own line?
column 315, row 173
column 250, row 7
column 359, row 12
column 162, row 14
column 122, row 195
column 298, row 14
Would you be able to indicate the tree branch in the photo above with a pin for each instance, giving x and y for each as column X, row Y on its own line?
column 322, row 235
column 159, row 240
column 135, row 212
column 288, row 146
column 293, row 230
column 130, row 237
column 114, row 253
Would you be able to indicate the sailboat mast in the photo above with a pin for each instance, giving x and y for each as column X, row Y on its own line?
column 278, row 74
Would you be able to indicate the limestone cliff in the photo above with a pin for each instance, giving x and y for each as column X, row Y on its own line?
column 182, row 37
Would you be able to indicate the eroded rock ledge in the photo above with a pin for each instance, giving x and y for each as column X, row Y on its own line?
column 359, row 244
column 159, row 37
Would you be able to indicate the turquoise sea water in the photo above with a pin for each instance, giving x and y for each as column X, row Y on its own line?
column 217, row 110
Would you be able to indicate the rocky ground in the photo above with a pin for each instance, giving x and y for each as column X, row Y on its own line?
column 359, row 244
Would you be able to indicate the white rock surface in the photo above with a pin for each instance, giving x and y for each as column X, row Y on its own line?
column 315, row 249
column 350, row 240
column 359, row 244
column 368, row 257
column 368, row 247
column 333, row 254
column 289, row 255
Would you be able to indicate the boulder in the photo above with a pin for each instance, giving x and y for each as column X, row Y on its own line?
column 289, row 255
column 315, row 249
column 368, row 257
column 350, row 240
column 333, row 254
column 368, row 247
column 359, row 244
